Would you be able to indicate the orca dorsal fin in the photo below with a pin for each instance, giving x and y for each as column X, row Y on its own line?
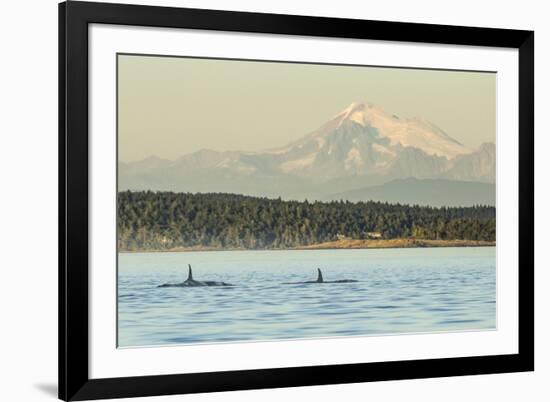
column 190, row 276
column 319, row 276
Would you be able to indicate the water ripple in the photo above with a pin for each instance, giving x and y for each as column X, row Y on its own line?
column 399, row 291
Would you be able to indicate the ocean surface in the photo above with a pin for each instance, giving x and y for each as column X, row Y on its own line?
column 399, row 291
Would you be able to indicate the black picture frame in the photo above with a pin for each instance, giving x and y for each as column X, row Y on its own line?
column 74, row 18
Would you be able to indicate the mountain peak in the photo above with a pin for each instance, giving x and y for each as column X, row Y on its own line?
column 407, row 132
column 357, row 111
column 357, row 106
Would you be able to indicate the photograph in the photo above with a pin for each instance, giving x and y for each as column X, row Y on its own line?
column 267, row 201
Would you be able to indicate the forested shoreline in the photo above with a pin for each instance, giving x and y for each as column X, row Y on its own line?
column 165, row 220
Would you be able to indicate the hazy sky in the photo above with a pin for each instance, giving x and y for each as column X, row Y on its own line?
column 169, row 107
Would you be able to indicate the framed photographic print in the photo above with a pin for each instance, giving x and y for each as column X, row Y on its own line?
column 257, row 200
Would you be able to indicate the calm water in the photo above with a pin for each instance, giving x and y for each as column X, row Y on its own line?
column 399, row 291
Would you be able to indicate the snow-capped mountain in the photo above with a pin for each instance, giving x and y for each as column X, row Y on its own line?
column 362, row 145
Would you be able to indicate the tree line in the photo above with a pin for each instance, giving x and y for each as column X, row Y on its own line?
column 163, row 220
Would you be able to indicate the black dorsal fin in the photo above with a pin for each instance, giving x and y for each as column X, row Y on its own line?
column 319, row 276
column 190, row 276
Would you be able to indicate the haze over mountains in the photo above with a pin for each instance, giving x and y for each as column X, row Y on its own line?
column 361, row 153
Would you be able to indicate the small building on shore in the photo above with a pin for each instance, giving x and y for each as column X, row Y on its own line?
column 373, row 235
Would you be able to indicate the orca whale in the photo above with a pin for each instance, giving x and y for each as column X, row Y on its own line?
column 320, row 280
column 190, row 282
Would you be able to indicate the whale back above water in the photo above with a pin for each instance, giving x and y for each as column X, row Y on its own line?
column 190, row 282
column 320, row 280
